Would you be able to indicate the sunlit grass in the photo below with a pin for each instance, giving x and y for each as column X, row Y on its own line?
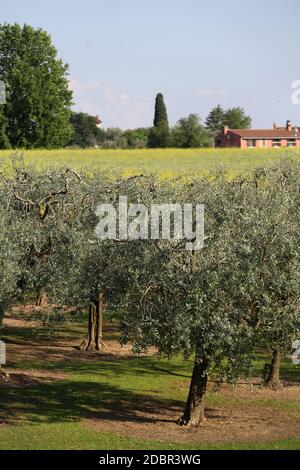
column 75, row 436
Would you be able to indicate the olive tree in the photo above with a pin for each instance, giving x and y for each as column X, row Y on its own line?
column 100, row 273
column 181, row 301
column 48, row 206
column 11, row 255
column 239, row 292
column 268, row 242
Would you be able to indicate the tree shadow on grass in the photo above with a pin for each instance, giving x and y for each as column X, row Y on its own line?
column 108, row 365
column 23, row 335
column 100, row 364
column 65, row 401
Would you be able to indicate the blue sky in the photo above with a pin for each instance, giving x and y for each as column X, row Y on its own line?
column 198, row 53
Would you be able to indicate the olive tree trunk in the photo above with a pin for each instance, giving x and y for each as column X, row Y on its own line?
column 3, row 374
column 273, row 378
column 41, row 300
column 2, row 311
column 194, row 409
column 94, row 341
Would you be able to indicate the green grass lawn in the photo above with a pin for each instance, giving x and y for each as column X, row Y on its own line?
column 53, row 414
column 166, row 163
column 74, row 436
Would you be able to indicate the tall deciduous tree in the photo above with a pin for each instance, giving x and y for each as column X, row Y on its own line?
column 38, row 99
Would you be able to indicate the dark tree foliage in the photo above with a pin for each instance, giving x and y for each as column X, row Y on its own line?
column 137, row 138
column 159, row 135
column 85, row 131
column 234, row 118
column 4, row 141
column 190, row 133
column 114, row 137
column 160, row 114
column 215, row 120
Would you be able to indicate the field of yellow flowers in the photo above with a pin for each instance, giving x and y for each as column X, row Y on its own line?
column 166, row 163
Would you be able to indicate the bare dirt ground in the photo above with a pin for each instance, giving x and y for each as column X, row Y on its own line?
column 58, row 349
column 222, row 425
column 252, row 414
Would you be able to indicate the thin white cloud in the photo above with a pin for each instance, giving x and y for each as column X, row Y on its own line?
column 207, row 93
column 89, row 107
column 115, row 106
column 203, row 93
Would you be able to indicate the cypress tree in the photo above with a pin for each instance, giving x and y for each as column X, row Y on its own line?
column 160, row 116
column 159, row 135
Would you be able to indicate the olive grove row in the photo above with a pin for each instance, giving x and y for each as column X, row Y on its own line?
column 218, row 304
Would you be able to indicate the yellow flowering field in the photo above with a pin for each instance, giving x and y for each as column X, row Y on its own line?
column 166, row 163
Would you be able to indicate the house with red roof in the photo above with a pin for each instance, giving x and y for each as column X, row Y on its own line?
column 288, row 136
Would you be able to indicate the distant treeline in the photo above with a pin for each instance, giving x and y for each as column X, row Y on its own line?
column 188, row 132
